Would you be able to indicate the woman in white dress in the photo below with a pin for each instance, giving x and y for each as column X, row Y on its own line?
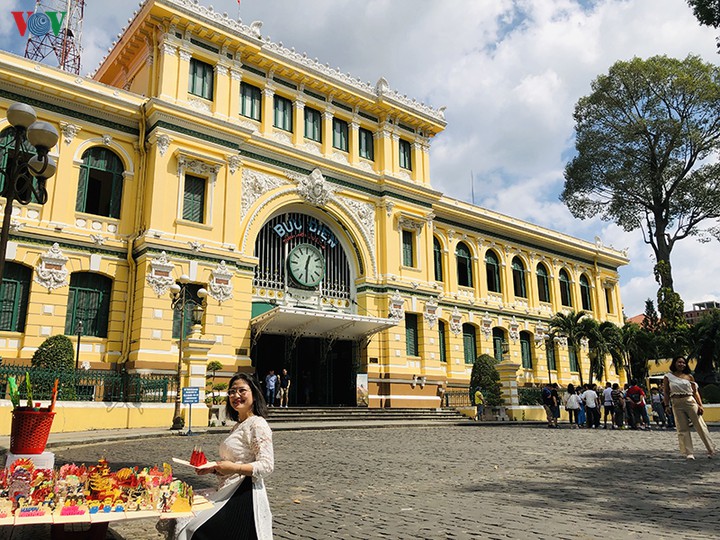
column 681, row 390
column 242, row 510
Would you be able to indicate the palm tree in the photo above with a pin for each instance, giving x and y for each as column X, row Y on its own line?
column 572, row 327
column 705, row 337
column 602, row 339
column 632, row 349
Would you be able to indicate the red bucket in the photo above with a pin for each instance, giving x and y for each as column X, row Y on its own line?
column 30, row 430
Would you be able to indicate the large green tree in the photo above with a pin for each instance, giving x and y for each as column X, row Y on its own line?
column 602, row 339
column 706, row 11
column 643, row 139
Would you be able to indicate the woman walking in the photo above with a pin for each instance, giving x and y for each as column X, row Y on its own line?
column 680, row 389
column 241, row 510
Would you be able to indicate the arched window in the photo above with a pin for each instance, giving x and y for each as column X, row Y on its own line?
column 442, row 337
column 550, row 351
column 437, row 259
column 526, row 349
column 464, row 265
column 492, row 270
column 565, row 292
column 543, row 283
column 7, row 145
column 101, row 183
column 14, row 294
column 572, row 356
column 498, row 338
column 518, row 270
column 585, row 297
column 89, row 302
column 469, row 343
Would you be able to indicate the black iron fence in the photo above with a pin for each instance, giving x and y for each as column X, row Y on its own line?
column 88, row 385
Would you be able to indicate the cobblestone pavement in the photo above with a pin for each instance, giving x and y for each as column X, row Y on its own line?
column 463, row 483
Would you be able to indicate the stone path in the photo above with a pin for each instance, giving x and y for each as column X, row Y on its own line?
column 458, row 483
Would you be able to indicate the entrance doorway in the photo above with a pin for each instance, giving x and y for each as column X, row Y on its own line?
column 322, row 374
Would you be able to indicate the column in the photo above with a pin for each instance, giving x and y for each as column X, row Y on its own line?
column 234, row 101
column 268, row 110
column 298, row 121
column 168, row 68
column 394, row 156
column 183, row 75
column 353, row 141
column 416, row 161
column 383, row 147
column 508, row 381
column 327, row 131
column 221, row 106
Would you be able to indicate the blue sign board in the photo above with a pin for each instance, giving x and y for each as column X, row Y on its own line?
column 191, row 394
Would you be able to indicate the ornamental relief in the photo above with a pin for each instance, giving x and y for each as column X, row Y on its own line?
column 365, row 214
column 314, row 188
column 220, row 287
column 397, row 306
column 51, row 272
column 160, row 275
column 256, row 184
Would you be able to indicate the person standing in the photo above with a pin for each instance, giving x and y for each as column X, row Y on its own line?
column 681, row 390
column 549, row 405
column 658, row 407
column 479, row 404
column 241, row 508
column 285, row 382
column 270, row 385
column 618, row 405
column 572, row 404
column 608, row 406
column 592, row 407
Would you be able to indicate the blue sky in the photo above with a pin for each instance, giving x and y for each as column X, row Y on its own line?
column 509, row 73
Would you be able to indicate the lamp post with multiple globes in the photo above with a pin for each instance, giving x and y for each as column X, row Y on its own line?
column 25, row 175
column 182, row 297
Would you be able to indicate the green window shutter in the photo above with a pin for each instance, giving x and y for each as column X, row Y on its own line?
column 469, row 345
column 497, row 348
column 367, row 145
column 405, row 155
column 82, row 188
column 8, row 303
column 407, row 247
column 441, row 341
column 283, row 113
column 194, row 199
column 251, row 99
column 543, row 285
column 340, row 134
column 526, row 353
column 208, row 82
column 552, row 365
column 574, row 366
column 411, row 334
column 313, row 125
column 437, row 259
column 89, row 302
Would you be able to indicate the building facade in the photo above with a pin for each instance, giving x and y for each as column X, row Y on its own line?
column 300, row 198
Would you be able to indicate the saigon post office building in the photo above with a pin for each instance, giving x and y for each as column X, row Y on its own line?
column 300, row 198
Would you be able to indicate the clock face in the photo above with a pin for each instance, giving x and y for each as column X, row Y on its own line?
column 306, row 264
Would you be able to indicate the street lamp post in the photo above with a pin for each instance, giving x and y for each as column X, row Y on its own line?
column 181, row 299
column 21, row 170
column 79, row 331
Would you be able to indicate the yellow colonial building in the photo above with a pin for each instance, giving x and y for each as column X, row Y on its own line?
column 301, row 199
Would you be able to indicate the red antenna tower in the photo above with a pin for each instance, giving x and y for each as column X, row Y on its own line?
column 66, row 45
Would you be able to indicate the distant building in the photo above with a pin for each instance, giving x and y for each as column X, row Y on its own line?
column 699, row 310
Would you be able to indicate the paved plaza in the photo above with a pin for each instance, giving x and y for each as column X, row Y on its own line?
column 460, row 482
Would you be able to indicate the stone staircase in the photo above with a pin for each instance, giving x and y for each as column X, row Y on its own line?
column 353, row 417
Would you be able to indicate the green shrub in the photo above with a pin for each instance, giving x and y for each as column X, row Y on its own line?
column 485, row 375
column 710, row 393
column 530, row 396
column 55, row 353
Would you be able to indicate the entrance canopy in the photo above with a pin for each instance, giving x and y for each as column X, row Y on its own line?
column 294, row 321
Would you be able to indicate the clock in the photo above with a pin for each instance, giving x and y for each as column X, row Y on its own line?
column 306, row 265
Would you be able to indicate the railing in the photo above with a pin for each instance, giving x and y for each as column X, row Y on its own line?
column 88, row 385
column 457, row 399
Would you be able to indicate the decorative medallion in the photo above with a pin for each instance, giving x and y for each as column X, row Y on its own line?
column 486, row 325
column 514, row 330
column 397, row 306
column 51, row 272
column 430, row 314
column 456, row 321
column 160, row 276
column 234, row 162
column 69, row 131
column 220, row 287
column 314, row 189
column 163, row 143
